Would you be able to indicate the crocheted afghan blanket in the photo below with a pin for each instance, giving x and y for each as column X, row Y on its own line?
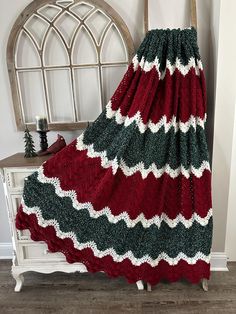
column 131, row 196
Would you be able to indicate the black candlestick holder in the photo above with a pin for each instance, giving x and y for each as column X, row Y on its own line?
column 43, row 141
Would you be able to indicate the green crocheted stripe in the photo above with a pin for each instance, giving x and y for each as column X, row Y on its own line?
column 168, row 45
column 139, row 240
column 127, row 143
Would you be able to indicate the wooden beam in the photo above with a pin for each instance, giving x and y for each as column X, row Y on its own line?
column 193, row 14
column 193, row 11
column 145, row 16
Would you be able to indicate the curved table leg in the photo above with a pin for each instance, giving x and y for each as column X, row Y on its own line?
column 149, row 287
column 140, row 285
column 204, row 283
column 19, row 278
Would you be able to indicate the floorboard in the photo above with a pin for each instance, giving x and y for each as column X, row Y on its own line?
column 96, row 293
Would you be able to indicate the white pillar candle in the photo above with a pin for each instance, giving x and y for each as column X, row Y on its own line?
column 41, row 124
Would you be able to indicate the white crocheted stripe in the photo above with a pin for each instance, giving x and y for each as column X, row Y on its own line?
column 129, row 171
column 183, row 69
column 111, row 252
column 106, row 211
column 154, row 127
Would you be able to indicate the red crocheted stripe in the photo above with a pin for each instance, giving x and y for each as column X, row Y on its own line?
column 193, row 273
column 178, row 95
column 150, row 196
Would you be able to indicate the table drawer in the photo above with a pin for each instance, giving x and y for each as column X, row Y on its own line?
column 15, row 177
column 36, row 252
column 15, row 200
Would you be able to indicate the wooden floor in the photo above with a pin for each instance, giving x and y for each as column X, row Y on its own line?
column 95, row 293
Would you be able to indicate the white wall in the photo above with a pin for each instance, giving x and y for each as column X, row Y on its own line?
column 11, row 141
column 162, row 14
column 230, row 241
column 224, row 152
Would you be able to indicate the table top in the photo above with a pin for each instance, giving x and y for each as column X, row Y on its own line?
column 18, row 160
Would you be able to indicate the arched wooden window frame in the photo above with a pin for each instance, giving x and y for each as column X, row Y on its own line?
column 32, row 9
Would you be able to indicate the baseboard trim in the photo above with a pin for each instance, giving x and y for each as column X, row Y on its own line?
column 218, row 259
column 6, row 250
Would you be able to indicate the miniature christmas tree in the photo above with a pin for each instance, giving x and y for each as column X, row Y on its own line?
column 29, row 145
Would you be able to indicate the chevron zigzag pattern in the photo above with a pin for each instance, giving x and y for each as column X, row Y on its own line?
column 111, row 252
column 154, row 127
column 146, row 223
